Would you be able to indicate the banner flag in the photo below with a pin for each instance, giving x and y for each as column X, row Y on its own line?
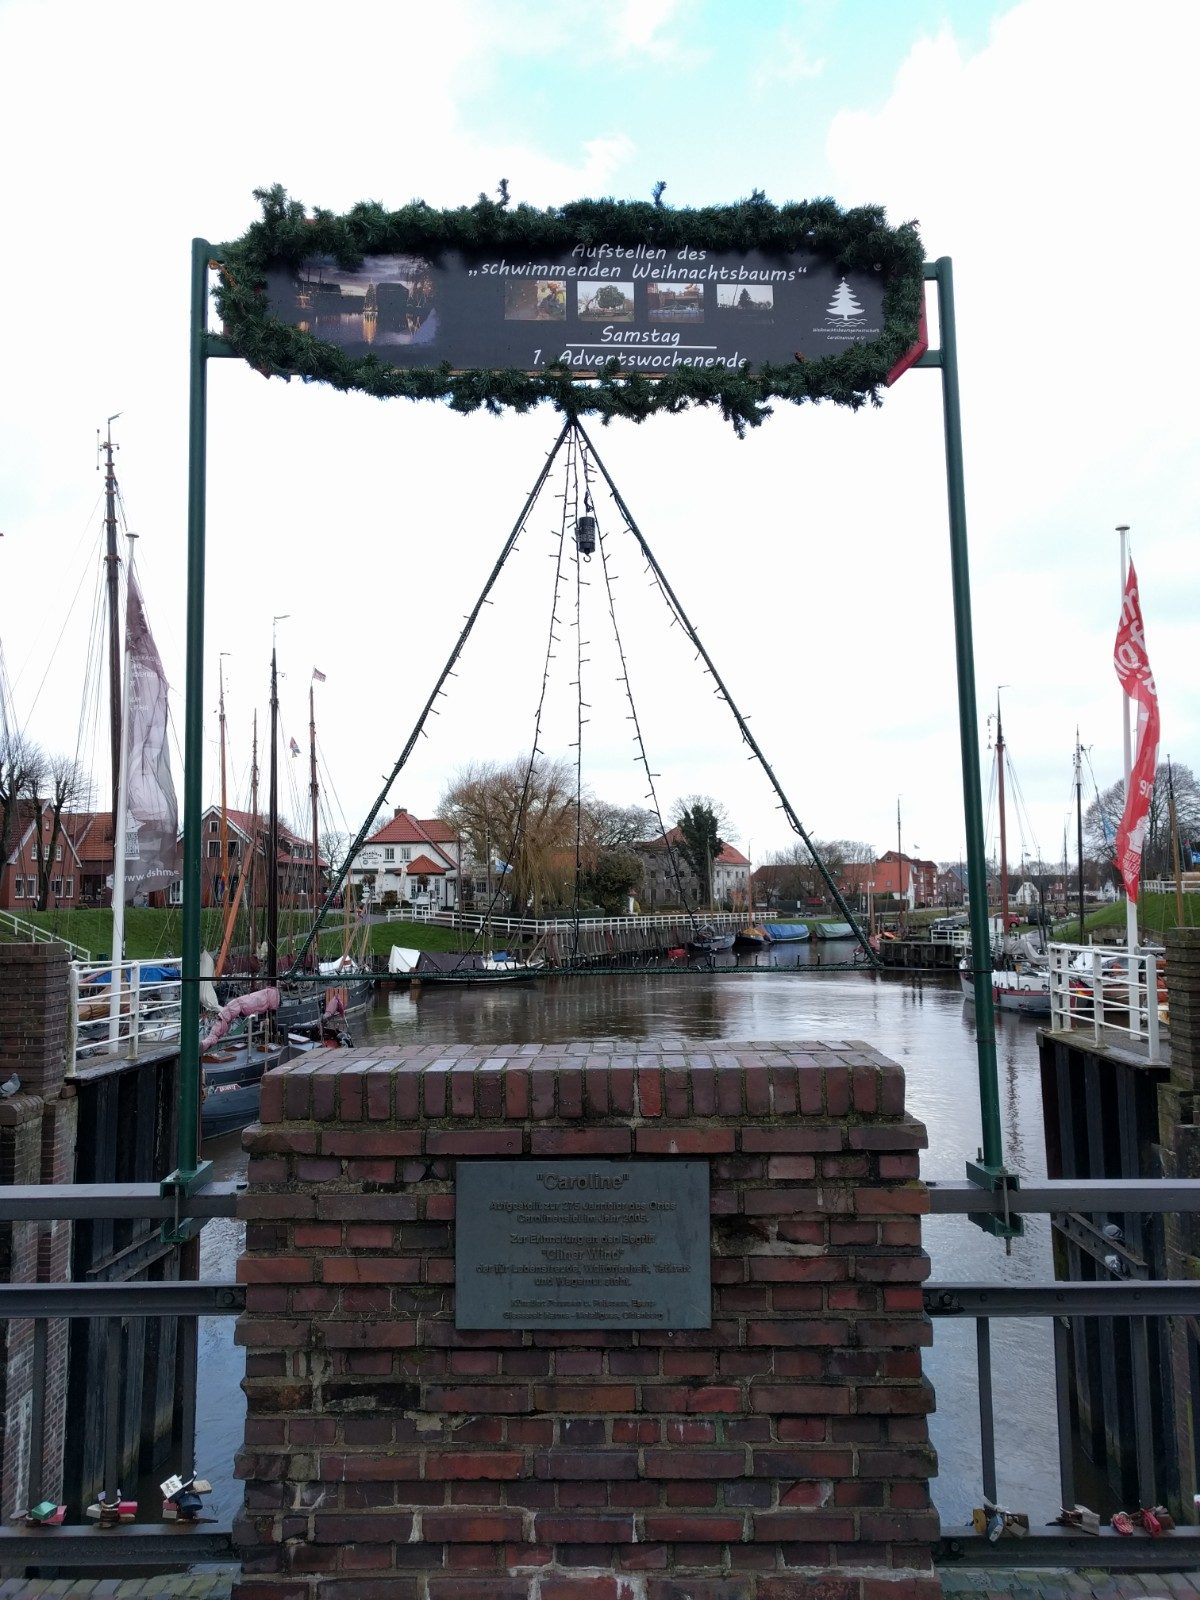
column 152, row 811
column 318, row 675
column 294, row 747
column 1137, row 680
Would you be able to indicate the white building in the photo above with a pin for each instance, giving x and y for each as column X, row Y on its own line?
column 417, row 861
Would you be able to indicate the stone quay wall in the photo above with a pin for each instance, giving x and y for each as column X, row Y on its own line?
column 781, row 1454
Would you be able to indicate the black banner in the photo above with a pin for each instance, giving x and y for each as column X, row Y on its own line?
column 654, row 309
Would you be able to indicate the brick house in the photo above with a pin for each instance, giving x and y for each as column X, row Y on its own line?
column 82, row 859
column 418, row 860
column 660, row 885
column 295, row 861
column 895, row 877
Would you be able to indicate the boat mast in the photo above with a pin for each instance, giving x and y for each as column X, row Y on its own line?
column 313, row 791
column 900, row 871
column 120, row 826
column 254, row 839
column 112, row 562
column 1003, row 834
column 1079, row 825
column 273, row 833
column 224, row 793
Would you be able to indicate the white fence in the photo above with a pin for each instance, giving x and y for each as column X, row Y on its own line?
column 30, row 933
column 147, row 1011
column 1105, row 993
column 538, row 927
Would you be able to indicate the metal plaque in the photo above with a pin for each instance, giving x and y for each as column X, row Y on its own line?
column 582, row 1244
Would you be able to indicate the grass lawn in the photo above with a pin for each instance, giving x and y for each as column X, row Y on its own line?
column 1156, row 913
column 151, row 933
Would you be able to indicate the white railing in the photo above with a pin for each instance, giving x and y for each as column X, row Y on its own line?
column 538, row 927
column 1102, row 992
column 32, row 934
column 1190, row 884
column 147, row 1012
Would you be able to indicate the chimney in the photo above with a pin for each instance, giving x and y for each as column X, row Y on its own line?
column 397, row 812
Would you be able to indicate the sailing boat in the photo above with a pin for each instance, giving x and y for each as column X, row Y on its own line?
column 752, row 936
column 1018, row 983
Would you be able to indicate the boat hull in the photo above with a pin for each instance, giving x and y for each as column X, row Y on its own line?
column 231, row 1082
column 1009, row 995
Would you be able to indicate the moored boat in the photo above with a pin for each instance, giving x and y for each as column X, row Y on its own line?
column 832, row 930
column 788, row 932
column 1020, row 988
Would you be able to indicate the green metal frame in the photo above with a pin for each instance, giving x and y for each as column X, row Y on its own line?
column 988, row 1171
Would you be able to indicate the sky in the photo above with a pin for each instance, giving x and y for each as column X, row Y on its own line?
column 1047, row 146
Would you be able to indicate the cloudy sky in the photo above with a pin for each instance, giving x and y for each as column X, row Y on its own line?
column 1048, row 146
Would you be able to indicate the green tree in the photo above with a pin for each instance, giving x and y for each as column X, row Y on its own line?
column 700, row 821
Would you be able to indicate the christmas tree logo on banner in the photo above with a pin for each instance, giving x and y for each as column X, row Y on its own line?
column 844, row 305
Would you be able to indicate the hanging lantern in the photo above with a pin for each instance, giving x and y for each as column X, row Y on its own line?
column 585, row 535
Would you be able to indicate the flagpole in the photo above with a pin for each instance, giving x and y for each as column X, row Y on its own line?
column 1131, row 923
column 120, row 828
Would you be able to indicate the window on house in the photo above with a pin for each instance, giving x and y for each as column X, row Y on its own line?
column 213, row 825
column 233, row 848
column 56, row 888
column 18, row 888
column 388, row 853
column 58, row 852
column 175, row 893
column 214, row 847
column 406, row 852
column 70, row 889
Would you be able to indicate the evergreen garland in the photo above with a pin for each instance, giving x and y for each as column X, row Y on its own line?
column 859, row 238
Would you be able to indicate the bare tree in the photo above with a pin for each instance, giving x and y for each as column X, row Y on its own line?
column 1103, row 817
column 521, row 814
column 20, row 764
column 62, row 786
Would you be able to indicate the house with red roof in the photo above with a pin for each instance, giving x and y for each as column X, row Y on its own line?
column 665, row 871
column 249, row 839
column 415, row 859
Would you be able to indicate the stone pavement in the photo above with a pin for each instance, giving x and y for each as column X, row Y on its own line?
column 960, row 1583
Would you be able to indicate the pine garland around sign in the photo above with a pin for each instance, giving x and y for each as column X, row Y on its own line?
column 855, row 239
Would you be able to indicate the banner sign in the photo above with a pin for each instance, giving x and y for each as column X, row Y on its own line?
column 608, row 308
column 1137, row 680
column 651, row 308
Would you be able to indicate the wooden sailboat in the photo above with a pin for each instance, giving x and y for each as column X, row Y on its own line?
column 753, row 936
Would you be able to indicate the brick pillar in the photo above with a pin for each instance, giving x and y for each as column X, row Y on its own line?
column 781, row 1453
column 37, row 1145
column 1179, row 1135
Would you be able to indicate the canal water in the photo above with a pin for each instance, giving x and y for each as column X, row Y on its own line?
column 924, row 1026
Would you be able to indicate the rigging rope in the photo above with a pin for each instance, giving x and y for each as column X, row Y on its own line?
column 639, row 740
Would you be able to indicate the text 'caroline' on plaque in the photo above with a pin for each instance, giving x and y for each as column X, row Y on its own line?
column 582, row 1244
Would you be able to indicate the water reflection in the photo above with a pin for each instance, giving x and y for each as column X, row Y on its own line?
column 925, row 1026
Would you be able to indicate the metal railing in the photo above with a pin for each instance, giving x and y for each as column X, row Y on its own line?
column 1061, row 1302
column 540, row 927
column 1109, row 996
column 147, row 1012
column 1071, row 1201
column 31, row 933
column 139, row 1544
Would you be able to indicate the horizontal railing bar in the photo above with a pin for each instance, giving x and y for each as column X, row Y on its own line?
column 1165, row 1298
column 73, row 1202
column 1066, row 1547
column 1069, row 1194
column 165, row 1299
column 131, row 1544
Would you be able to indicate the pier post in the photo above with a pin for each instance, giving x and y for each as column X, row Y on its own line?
column 424, row 1417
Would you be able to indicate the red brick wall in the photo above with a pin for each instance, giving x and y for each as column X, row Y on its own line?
column 781, row 1454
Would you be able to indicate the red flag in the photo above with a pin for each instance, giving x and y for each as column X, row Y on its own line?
column 1133, row 669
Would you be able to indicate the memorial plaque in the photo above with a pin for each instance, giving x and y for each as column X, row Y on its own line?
column 582, row 1244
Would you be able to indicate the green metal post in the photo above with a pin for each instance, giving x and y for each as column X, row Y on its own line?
column 193, row 729
column 985, row 1018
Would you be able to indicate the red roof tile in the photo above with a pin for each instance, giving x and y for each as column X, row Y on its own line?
column 423, row 867
column 730, row 856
